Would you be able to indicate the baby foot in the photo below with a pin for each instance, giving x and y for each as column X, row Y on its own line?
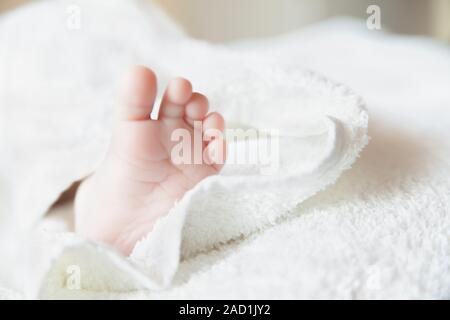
column 145, row 172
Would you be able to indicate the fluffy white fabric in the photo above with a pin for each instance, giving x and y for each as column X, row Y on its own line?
column 382, row 231
column 322, row 129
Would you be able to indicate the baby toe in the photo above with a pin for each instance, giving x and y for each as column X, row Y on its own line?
column 177, row 94
column 215, row 153
column 138, row 94
column 196, row 108
column 213, row 125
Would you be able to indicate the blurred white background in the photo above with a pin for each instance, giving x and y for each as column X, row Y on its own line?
column 225, row 20
column 222, row 20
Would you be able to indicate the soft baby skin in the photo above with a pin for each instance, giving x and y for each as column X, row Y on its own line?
column 145, row 171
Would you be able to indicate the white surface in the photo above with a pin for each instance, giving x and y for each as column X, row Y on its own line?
column 383, row 231
column 380, row 232
column 62, row 94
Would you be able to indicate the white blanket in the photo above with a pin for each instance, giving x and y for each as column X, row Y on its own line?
column 343, row 249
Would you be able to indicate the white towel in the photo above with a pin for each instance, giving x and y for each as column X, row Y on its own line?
column 57, row 93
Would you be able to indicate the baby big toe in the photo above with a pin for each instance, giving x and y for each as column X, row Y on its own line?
column 138, row 94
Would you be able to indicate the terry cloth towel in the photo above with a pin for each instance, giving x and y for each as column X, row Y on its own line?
column 57, row 90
